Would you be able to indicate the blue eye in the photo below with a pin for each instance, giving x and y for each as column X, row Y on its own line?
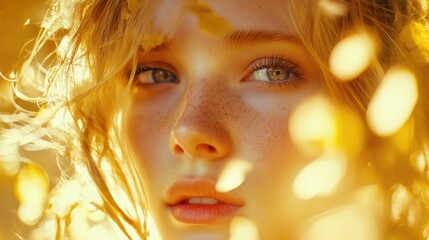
column 150, row 75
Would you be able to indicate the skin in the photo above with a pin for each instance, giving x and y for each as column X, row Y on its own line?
column 219, row 111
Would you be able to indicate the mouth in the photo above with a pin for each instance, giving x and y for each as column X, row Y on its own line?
column 197, row 202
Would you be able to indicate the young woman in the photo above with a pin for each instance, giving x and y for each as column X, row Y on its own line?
column 191, row 112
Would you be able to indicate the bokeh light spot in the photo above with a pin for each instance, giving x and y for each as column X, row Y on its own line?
column 31, row 188
column 233, row 175
column 352, row 55
column 333, row 8
column 312, row 125
column 321, row 177
column 27, row 22
column 243, row 228
column 393, row 102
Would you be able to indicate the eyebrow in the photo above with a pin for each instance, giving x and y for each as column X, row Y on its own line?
column 239, row 38
column 247, row 37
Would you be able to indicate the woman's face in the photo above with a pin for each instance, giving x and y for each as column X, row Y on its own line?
column 201, row 102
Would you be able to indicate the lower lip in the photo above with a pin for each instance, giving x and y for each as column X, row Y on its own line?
column 202, row 213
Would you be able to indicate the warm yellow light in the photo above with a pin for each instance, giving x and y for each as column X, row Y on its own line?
column 393, row 102
column 79, row 225
column 351, row 222
column 31, row 189
column 333, row 8
column 28, row 76
column 31, row 186
column 321, row 177
column 419, row 160
column 27, row 22
column 29, row 214
column 233, row 175
column 99, row 231
column 66, row 196
column 96, row 216
column 9, row 167
column 12, row 75
column 243, row 228
column 352, row 55
column 312, row 125
column 401, row 199
column 425, row 5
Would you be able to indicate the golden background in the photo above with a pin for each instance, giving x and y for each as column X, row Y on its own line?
column 14, row 33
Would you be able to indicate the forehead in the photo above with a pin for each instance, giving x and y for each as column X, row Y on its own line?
column 244, row 14
column 270, row 15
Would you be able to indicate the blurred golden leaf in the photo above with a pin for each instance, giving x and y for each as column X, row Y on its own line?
column 209, row 22
column 201, row 7
column 152, row 40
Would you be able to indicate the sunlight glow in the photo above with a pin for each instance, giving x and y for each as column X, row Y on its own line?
column 100, row 232
column 31, row 189
column 401, row 199
column 79, row 225
column 27, row 22
column 349, row 222
column 243, row 228
column 31, row 185
column 321, row 177
column 419, row 160
column 312, row 125
column 414, row 36
column 424, row 4
column 29, row 214
column 333, row 8
column 233, row 175
column 28, row 76
column 352, row 55
column 12, row 75
column 393, row 102
column 67, row 195
column 96, row 216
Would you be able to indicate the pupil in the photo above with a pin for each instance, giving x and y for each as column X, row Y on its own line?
column 278, row 74
column 160, row 75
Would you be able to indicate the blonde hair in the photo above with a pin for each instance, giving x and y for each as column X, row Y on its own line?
column 99, row 38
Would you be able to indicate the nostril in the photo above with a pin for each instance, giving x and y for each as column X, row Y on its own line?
column 178, row 149
column 206, row 147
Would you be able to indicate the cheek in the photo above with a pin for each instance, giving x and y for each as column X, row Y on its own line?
column 148, row 127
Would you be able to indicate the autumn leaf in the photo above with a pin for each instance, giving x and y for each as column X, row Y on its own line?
column 151, row 41
column 209, row 22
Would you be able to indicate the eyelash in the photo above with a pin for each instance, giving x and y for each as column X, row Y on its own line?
column 261, row 63
column 144, row 68
column 276, row 62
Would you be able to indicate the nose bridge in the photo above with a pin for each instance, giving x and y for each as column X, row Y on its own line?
column 200, row 130
column 201, row 101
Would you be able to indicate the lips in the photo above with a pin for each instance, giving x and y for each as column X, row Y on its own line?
column 197, row 202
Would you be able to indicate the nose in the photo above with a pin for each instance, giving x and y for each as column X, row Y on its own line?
column 200, row 131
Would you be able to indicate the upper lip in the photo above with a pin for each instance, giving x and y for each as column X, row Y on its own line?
column 198, row 188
